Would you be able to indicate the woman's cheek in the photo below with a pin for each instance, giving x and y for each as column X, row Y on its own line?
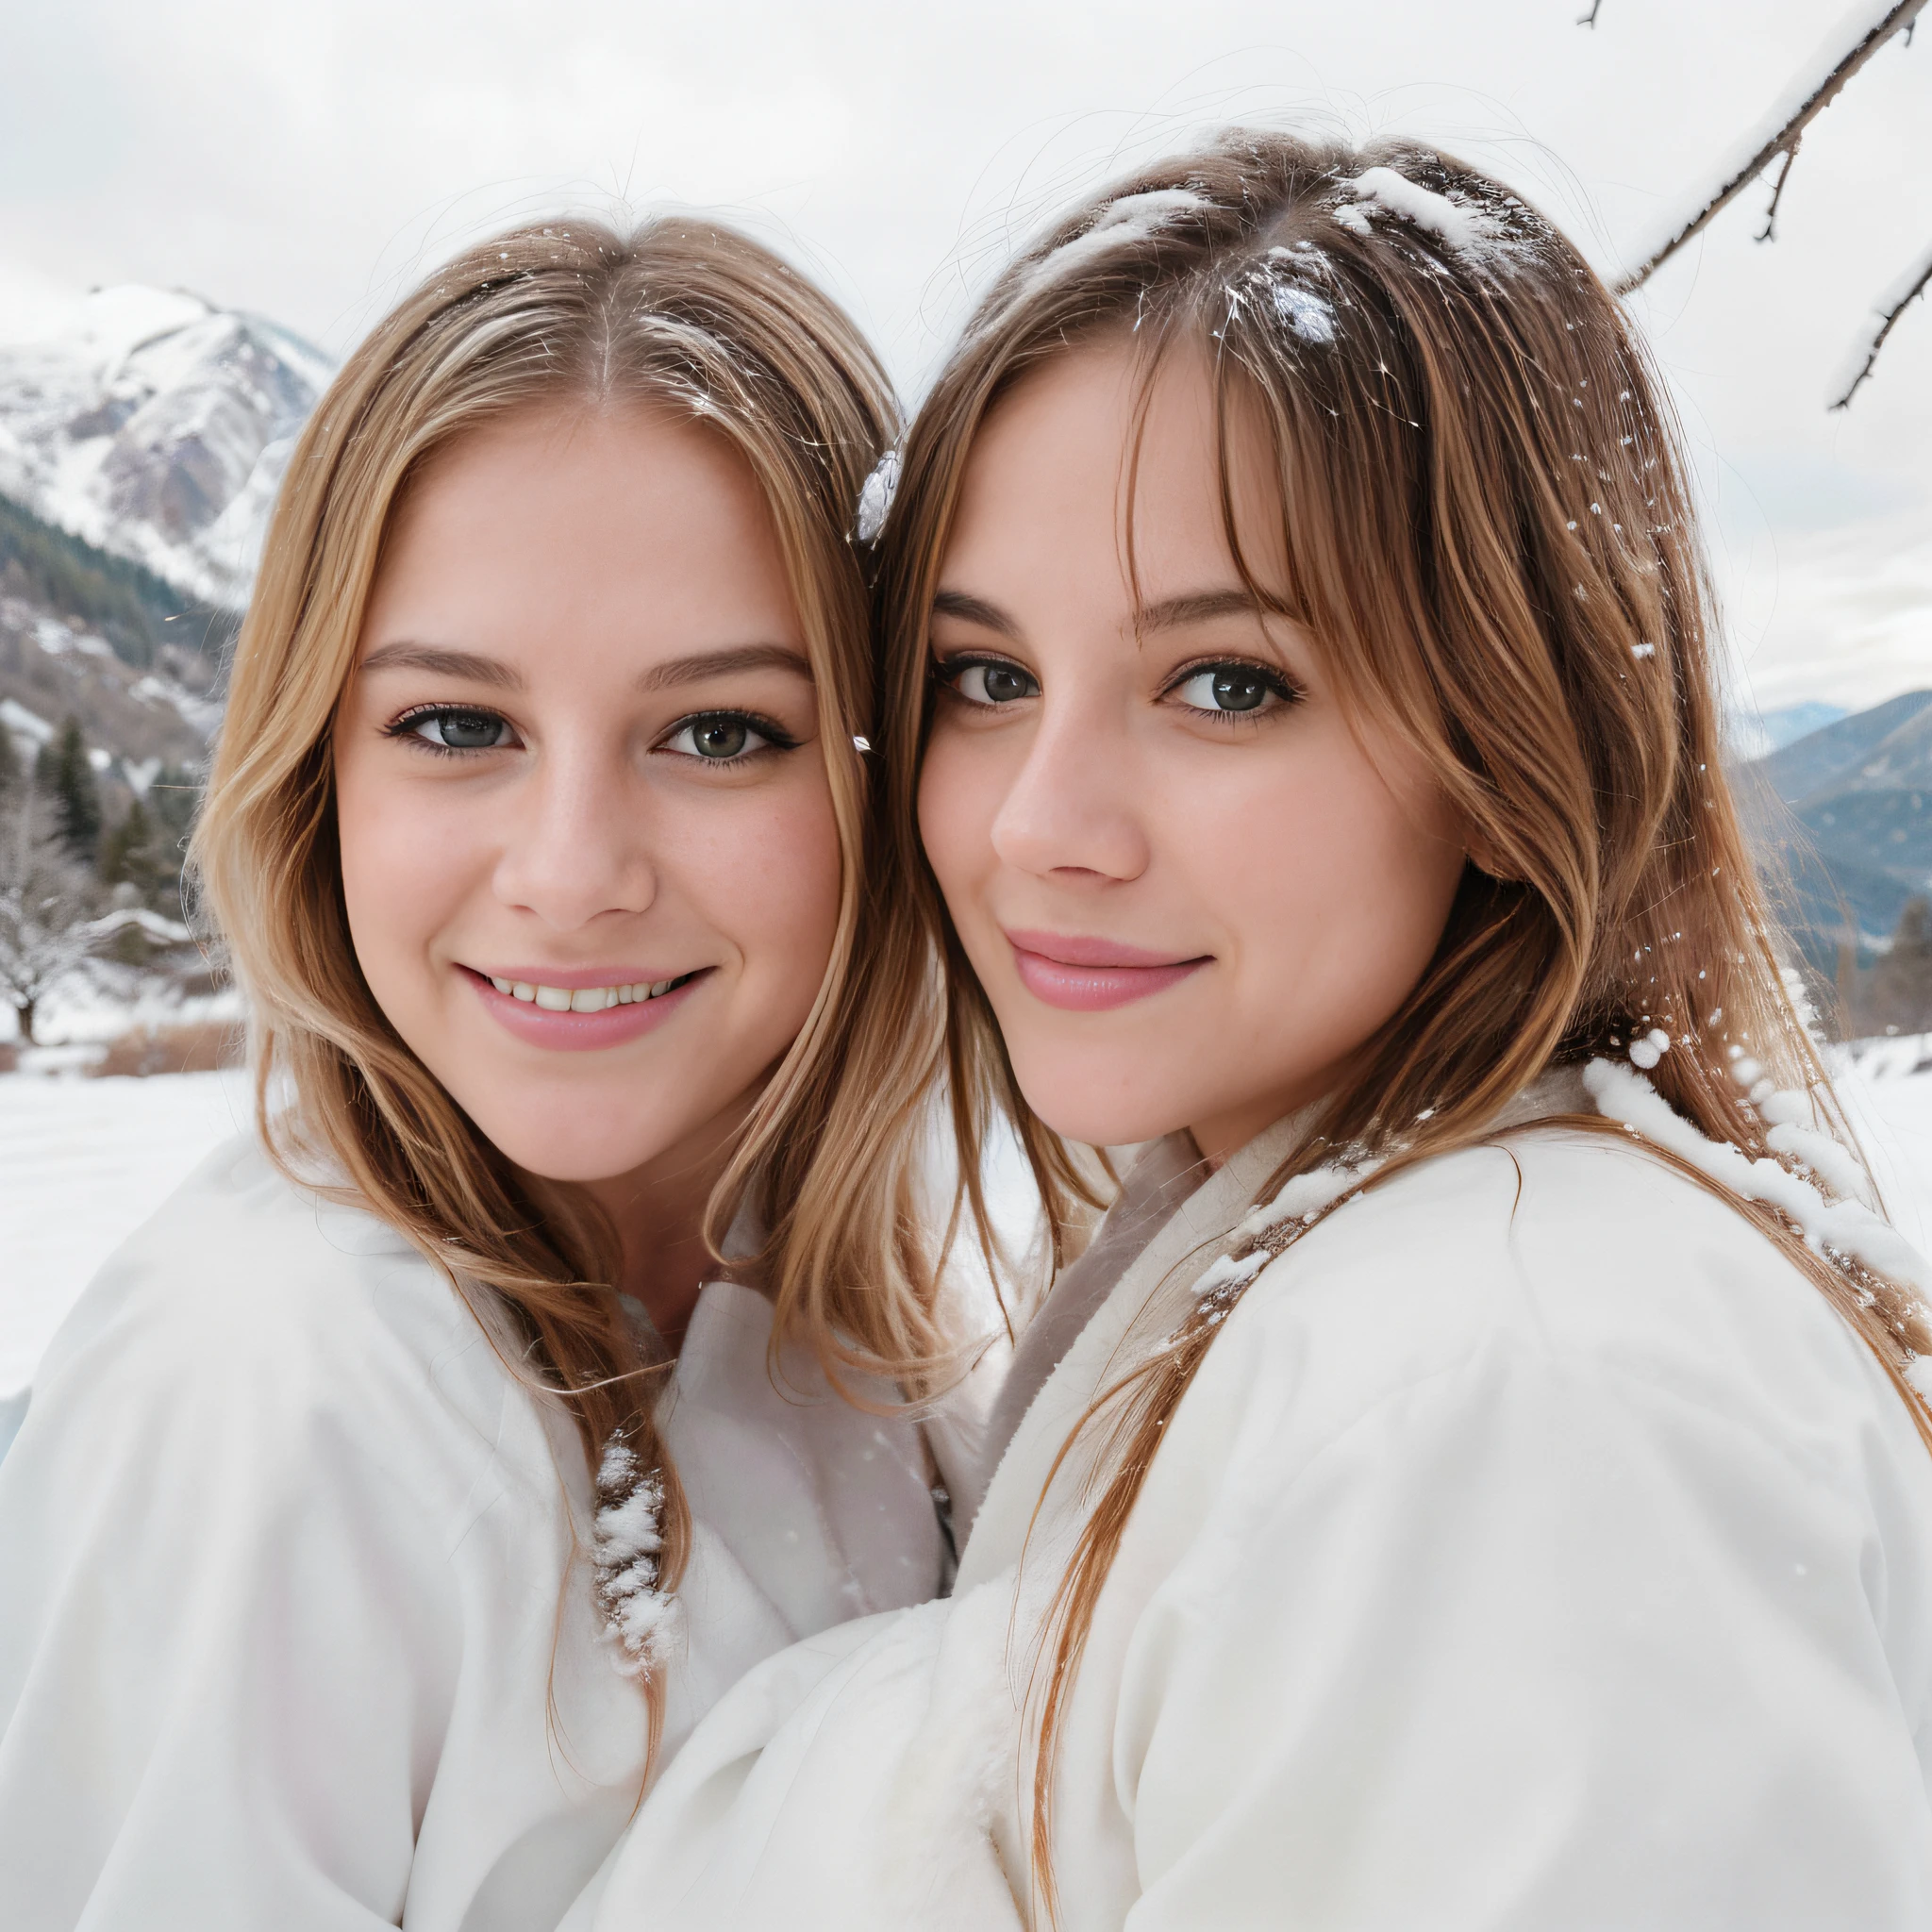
column 781, row 889
column 958, row 803
column 390, row 885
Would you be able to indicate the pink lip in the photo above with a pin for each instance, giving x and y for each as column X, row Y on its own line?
column 1083, row 975
column 580, row 1032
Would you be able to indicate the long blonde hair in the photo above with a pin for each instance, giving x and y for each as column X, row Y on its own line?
column 1489, row 539
column 687, row 317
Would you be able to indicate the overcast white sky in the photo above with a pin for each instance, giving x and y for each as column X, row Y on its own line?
column 307, row 161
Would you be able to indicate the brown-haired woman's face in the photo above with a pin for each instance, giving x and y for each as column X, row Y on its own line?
column 587, row 844
column 1190, row 890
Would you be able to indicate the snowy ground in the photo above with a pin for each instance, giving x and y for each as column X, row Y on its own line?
column 83, row 1162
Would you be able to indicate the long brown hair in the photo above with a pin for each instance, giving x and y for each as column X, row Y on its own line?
column 683, row 316
column 1490, row 539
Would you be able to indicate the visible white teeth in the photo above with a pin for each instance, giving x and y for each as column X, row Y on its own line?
column 592, row 999
column 584, row 999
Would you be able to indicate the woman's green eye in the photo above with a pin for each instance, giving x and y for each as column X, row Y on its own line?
column 994, row 683
column 719, row 738
column 1228, row 688
column 454, row 730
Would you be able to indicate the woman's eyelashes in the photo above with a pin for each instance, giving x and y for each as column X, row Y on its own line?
column 447, row 729
column 727, row 738
column 1232, row 690
column 985, row 681
column 710, row 738
column 1228, row 690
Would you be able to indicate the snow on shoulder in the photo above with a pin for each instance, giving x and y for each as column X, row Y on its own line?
column 1598, row 1209
column 1833, row 1228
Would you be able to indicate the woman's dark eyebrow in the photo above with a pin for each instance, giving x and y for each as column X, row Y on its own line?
column 440, row 663
column 974, row 611
column 1171, row 613
column 723, row 664
column 1175, row 613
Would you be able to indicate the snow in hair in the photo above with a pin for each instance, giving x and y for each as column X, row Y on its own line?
column 1462, row 225
column 876, row 496
column 1301, row 310
column 1306, row 313
column 640, row 1619
column 1131, row 218
column 1262, row 1234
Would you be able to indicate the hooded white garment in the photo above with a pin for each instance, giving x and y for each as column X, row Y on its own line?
column 296, row 1616
column 1534, row 1548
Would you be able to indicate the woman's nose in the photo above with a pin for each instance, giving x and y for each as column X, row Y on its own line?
column 577, row 844
column 1073, row 808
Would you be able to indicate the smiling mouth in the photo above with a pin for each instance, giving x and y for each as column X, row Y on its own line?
column 583, row 1018
column 1082, row 975
column 589, row 999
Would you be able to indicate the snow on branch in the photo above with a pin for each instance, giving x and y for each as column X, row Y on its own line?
column 1885, row 311
column 1817, row 84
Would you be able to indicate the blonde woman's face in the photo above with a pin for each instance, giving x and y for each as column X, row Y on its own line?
column 587, row 839
column 1190, row 890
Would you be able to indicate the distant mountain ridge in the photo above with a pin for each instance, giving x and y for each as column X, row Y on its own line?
column 142, row 438
column 1757, row 734
column 157, row 425
column 1861, row 791
column 134, row 610
column 86, row 634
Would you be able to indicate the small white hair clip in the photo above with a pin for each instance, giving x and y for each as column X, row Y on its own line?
column 861, row 744
column 876, row 498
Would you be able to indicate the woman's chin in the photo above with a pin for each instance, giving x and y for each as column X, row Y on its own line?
column 1103, row 1119
column 571, row 1149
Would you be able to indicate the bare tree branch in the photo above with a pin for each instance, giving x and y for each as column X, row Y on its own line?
column 1769, row 232
column 1589, row 19
column 1779, row 135
column 1885, row 315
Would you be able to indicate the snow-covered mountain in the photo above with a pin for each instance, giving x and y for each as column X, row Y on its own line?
column 158, row 426
column 1860, row 790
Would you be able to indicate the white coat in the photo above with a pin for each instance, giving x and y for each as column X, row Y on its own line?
column 1535, row 1548
column 297, row 1619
